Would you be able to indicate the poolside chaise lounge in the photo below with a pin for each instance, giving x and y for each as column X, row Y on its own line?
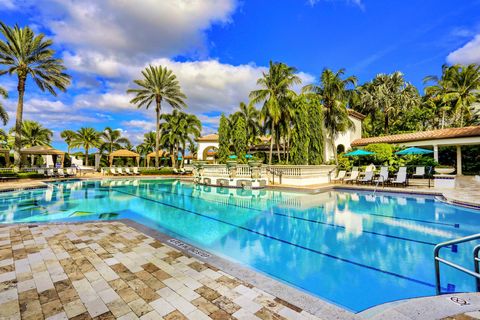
column 60, row 173
column 353, row 177
column 419, row 172
column 401, row 178
column 367, row 178
column 127, row 171
column 382, row 177
column 120, row 171
column 135, row 171
column 340, row 176
column 113, row 171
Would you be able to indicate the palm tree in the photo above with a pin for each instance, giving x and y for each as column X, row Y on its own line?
column 334, row 93
column 274, row 93
column 3, row 112
column 86, row 138
column 190, row 129
column 27, row 54
column 251, row 116
column 158, row 84
column 112, row 140
column 458, row 89
column 34, row 134
column 68, row 136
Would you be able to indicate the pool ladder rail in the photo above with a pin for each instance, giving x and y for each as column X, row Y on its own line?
column 476, row 260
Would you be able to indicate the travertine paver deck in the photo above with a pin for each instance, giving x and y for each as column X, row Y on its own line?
column 108, row 270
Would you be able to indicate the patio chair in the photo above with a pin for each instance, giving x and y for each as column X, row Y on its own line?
column 419, row 172
column 340, row 176
column 383, row 176
column 50, row 173
column 120, row 171
column 353, row 177
column 367, row 178
column 128, row 172
column 41, row 171
column 135, row 171
column 113, row 171
column 60, row 173
column 175, row 171
column 183, row 171
column 401, row 178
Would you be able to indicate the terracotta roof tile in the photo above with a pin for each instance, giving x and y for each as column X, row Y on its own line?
column 423, row 135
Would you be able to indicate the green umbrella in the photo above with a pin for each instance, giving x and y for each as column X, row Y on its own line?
column 413, row 150
column 232, row 156
column 359, row 153
column 248, row 156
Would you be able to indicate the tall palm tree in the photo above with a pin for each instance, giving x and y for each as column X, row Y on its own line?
column 157, row 85
column 3, row 112
column 334, row 94
column 68, row 136
column 29, row 55
column 458, row 89
column 251, row 116
column 190, row 129
column 112, row 140
column 34, row 134
column 275, row 91
column 86, row 138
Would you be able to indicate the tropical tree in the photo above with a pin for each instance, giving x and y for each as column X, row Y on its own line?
column 112, row 140
column 251, row 117
column 26, row 54
column 34, row 134
column 390, row 95
column 334, row 92
column 68, row 136
column 239, row 138
column 3, row 112
column 223, row 139
column 274, row 94
column 157, row 85
column 86, row 138
column 456, row 91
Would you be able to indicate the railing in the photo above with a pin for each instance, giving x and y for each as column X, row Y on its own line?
column 438, row 260
column 284, row 170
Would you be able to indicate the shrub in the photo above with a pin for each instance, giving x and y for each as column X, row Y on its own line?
column 383, row 153
column 29, row 175
column 163, row 171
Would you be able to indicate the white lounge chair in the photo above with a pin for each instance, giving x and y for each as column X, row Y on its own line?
column 128, row 172
column 340, row 176
column 353, row 177
column 120, row 171
column 41, row 171
column 60, row 173
column 50, row 173
column 113, row 171
column 419, row 172
column 383, row 176
column 367, row 178
column 135, row 171
column 401, row 178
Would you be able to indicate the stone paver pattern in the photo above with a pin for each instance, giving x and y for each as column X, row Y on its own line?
column 108, row 270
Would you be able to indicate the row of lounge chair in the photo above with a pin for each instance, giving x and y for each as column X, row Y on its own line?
column 123, row 171
column 58, row 173
column 369, row 176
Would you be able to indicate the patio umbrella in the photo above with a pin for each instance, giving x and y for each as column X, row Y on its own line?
column 232, row 156
column 359, row 153
column 413, row 150
column 248, row 156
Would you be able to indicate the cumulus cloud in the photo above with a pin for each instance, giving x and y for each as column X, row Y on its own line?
column 469, row 53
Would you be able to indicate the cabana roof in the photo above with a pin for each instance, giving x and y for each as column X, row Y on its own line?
column 124, row 153
column 41, row 150
column 161, row 153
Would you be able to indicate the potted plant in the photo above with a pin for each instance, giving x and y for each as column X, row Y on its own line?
column 443, row 169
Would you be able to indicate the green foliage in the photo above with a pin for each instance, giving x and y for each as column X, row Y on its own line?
column 163, row 171
column 300, row 134
column 317, row 137
column 239, row 139
column 345, row 163
column 30, row 175
column 223, row 140
column 383, row 153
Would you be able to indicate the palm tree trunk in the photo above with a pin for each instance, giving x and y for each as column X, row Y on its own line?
column 18, row 122
column 86, row 156
column 183, row 156
column 334, row 150
column 279, row 155
column 157, row 134
column 272, row 138
column 288, row 148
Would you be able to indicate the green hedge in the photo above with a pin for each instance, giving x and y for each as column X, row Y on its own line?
column 22, row 175
column 163, row 171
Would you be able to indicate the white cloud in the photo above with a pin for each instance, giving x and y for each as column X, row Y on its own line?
column 469, row 53
column 7, row 4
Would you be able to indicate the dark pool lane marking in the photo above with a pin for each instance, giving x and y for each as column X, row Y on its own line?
column 282, row 240
column 305, row 219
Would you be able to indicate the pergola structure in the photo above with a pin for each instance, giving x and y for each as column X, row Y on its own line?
column 457, row 137
column 43, row 151
column 124, row 153
column 161, row 153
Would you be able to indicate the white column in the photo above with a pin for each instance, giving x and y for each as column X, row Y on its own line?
column 459, row 160
column 435, row 153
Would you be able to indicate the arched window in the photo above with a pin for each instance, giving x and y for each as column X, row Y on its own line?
column 340, row 148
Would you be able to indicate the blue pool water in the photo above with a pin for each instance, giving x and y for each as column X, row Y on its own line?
column 350, row 248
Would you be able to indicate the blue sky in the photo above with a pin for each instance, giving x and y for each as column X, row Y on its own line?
column 218, row 48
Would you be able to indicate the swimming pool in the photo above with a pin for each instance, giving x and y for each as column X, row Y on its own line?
column 353, row 249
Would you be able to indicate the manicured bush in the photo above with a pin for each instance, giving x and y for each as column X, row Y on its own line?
column 29, row 175
column 163, row 171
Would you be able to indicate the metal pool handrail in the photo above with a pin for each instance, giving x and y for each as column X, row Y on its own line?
column 437, row 259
